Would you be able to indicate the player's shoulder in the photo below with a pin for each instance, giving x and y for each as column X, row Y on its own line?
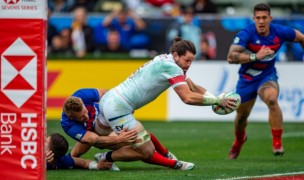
column 279, row 28
column 163, row 57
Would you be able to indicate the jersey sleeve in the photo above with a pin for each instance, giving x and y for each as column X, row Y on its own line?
column 174, row 74
column 241, row 38
column 74, row 129
column 287, row 33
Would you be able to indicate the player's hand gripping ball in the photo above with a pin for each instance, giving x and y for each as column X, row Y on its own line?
column 223, row 111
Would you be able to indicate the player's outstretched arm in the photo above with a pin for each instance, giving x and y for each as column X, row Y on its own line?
column 89, row 164
column 194, row 87
column 192, row 98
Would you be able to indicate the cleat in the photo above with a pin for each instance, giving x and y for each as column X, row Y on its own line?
column 170, row 155
column 182, row 165
column 114, row 168
column 100, row 157
column 236, row 149
column 278, row 150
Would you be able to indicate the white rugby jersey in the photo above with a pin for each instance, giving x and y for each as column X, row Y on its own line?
column 150, row 80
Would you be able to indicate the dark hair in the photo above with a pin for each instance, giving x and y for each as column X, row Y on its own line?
column 181, row 46
column 261, row 7
column 58, row 145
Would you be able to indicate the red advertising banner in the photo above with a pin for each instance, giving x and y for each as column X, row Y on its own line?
column 22, row 90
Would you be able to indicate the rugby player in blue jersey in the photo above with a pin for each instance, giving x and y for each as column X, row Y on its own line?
column 56, row 157
column 82, row 121
column 255, row 48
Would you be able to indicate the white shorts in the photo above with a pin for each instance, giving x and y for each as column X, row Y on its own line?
column 116, row 111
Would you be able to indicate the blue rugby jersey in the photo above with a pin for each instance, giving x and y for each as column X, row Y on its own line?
column 74, row 129
column 253, row 42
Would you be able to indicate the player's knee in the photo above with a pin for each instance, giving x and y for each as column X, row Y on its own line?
column 144, row 145
column 148, row 154
column 272, row 101
column 142, row 138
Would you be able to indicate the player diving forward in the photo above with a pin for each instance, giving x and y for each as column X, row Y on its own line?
column 142, row 87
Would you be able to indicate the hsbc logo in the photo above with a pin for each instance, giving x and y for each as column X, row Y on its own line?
column 18, row 72
column 11, row 1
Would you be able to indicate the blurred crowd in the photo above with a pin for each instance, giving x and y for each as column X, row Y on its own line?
column 122, row 29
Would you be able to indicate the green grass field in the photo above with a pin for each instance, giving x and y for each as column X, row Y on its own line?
column 206, row 144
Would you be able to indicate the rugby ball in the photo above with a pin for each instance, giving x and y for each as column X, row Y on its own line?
column 223, row 111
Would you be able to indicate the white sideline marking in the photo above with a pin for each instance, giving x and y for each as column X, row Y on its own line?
column 264, row 176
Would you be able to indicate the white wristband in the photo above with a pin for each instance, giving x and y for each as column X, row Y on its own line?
column 93, row 165
column 210, row 100
column 252, row 57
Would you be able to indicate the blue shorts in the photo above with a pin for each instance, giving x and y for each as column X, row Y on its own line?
column 249, row 89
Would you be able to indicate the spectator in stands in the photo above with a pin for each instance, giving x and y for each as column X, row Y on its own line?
column 51, row 30
column 61, row 44
column 61, row 6
column 82, row 34
column 129, row 25
column 186, row 28
column 205, row 50
column 113, row 43
column 204, row 6
column 208, row 46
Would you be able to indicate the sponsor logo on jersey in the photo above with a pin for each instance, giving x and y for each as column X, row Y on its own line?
column 236, row 40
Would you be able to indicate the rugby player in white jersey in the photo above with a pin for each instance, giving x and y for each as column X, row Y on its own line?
column 145, row 85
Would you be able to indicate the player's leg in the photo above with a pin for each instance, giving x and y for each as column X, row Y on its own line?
column 248, row 92
column 102, row 129
column 269, row 92
column 119, row 115
column 79, row 149
column 161, row 149
column 240, row 123
column 143, row 149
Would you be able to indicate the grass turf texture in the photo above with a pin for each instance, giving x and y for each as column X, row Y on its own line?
column 206, row 144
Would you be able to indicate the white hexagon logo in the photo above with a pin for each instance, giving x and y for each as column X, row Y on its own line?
column 18, row 72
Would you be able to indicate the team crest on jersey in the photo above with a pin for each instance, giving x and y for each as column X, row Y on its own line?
column 258, row 42
column 236, row 40
column 78, row 136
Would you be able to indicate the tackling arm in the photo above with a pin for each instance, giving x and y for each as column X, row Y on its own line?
column 105, row 141
column 89, row 164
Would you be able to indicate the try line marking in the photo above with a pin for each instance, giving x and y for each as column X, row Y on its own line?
column 264, row 176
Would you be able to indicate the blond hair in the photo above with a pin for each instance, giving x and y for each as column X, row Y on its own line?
column 71, row 105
